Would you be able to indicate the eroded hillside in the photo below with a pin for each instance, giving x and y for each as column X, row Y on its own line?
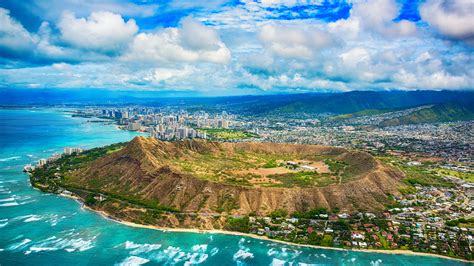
column 206, row 177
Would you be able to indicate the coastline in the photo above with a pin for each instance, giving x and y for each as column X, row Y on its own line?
column 264, row 238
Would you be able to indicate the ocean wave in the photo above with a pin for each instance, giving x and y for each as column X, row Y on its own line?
column 196, row 258
column 33, row 218
column 242, row 255
column 7, row 199
column 20, row 245
column 200, row 248
column 132, row 261
column 9, row 158
column 141, row 248
column 9, row 204
column 213, row 251
column 174, row 255
column 272, row 252
column 3, row 222
column 277, row 262
column 54, row 243
column 376, row 262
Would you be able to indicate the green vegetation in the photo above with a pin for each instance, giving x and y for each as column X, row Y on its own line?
column 280, row 213
column 90, row 200
column 238, row 224
column 367, row 112
column 270, row 164
column 227, row 134
column 239, row 167
column 417, row 174
column 56, row 176
column 462, row 175
column 337, row 167
column 327, row 241
column 445, row 112
column 462, row 222
column 301, row 179
column 310, row 214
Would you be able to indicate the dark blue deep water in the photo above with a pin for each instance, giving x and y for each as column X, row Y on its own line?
column 44, row 229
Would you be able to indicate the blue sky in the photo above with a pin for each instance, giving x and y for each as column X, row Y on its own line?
column 222, row 47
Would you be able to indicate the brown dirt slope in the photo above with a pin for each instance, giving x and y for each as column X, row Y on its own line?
column 142, row 170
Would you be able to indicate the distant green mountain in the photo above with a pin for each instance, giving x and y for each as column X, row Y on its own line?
column 367, row 112
column 348, row 102
column 444, row 112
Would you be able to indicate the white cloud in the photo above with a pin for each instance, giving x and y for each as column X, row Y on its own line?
column 378, row 16
column 168, row 74
column 195, row 36
column 436, row 80
column 101, row 31
column 13, row 36
column 191, row 43
column 293, row 42
column 453, row 18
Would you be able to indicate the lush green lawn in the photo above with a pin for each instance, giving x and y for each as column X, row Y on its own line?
column 227, row 134
column 464, row 176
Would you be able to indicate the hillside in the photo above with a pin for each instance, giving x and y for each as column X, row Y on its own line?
column 444, row 112
column 209, row 178
column 284, row 104
column 350, row 102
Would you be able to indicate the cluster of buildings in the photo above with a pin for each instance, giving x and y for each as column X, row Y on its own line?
column 451, row 141
column 425, row 220
column 42, row 162
column 164, row 124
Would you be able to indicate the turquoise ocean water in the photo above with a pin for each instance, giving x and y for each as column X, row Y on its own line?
column 44, row 229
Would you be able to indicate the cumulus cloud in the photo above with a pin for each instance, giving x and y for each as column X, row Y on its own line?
column 375, row 16
column 273, row 48
column 14, row 38
column 191, row 42
column 292, row 42
column 101, row 31
column 454, row 18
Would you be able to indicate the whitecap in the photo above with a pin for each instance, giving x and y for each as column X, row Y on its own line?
column 53, row 243
column 8, row 204
column 214, row 251
column 271, row 252
column 171, row 251
column 9, row 158
column 277, row 262
column 242, row 254
column 7, row 199
column 196, row 258
column 32, row 218
column 132, row 261
column 19, row 245
column 376, row 263
column 181, row 256
column 201, row 248
column 141, row 248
